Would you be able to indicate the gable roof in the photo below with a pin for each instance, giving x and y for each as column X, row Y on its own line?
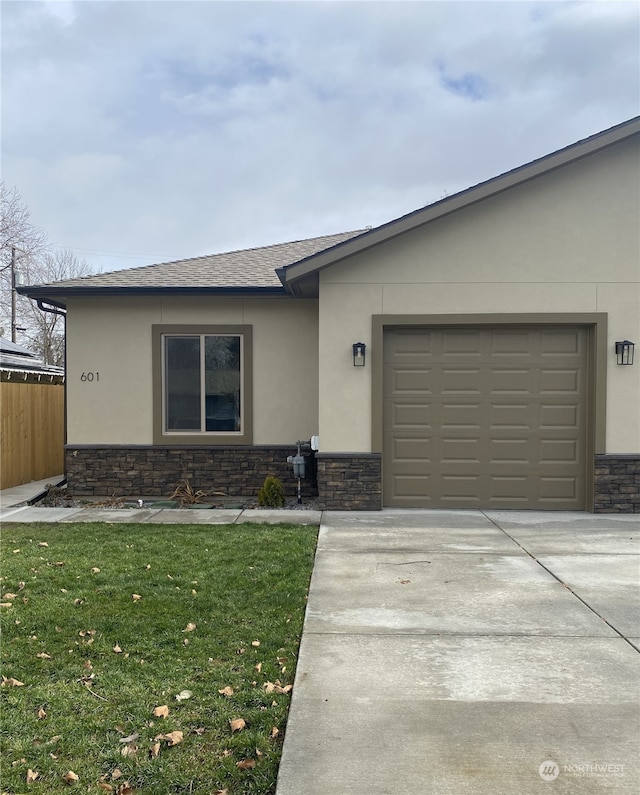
column 301, row 278
column 248, row 270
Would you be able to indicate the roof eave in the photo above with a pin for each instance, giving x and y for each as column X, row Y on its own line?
column 58, row 296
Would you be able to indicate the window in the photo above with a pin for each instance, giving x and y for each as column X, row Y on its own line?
column 202, row 385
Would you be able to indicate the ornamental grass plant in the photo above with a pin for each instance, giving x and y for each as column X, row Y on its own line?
column 149, row 658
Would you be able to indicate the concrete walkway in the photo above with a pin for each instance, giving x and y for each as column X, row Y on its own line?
column 468, row 653
column 14, row 507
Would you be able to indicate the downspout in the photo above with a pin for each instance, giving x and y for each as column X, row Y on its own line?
column 54, row 311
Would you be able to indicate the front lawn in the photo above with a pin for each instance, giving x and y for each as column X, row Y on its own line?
column 149, row 658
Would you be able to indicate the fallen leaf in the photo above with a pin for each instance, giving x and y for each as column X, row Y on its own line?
column 95, row 570
column 154, row 751
column 226, row 691
column 117, row 649
column 32, row 775
column 183, row 695
column 161, row 712
column 116, row 774
column 42, row 544
column 44, row 656
column 87, row 665
column 190, row 627
column 129, row 750
column 125, row 789
column 105, row 787
column 199, row 731
column 21, row 585
column 70, row 777
column 237, row 724
column 130, row 738
column 274, row 732
column 255, row 642
column 246, row 764
column 17, row 762
column 11, row 682
column 41, row 714
column 173, row 738
column 6, row 604
column 258, row 667
column 9, row 596
column 136, row 597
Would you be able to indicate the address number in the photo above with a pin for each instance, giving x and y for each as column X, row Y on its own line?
column 90, row 377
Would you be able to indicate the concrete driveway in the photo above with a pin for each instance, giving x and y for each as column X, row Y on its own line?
column 468, row 652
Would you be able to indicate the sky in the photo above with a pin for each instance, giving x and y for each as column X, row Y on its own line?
column 141, row 131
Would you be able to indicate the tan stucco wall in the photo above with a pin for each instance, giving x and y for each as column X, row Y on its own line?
column 566, row 242
column 112, row 337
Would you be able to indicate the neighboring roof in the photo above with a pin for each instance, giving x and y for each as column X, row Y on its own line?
column 14, row 359
column 251, row 269
column 301, row 278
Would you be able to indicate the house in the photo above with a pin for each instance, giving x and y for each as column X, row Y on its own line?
column 31, row 416
column 487, row 377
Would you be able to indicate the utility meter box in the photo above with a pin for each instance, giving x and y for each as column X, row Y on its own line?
column 298, row 463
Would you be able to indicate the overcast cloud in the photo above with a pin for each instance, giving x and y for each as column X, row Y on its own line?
column 151, row 130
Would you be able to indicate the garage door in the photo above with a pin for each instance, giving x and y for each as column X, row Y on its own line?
column 485, row 417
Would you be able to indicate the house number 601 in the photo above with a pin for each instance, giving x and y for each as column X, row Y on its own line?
column 90, row 377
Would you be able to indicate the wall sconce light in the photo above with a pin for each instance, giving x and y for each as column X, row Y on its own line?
column 359, row 350
column 624, row 352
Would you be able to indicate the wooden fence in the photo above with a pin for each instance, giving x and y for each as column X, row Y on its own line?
column 32, row 441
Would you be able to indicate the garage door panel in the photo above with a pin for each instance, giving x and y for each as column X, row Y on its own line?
column 564, row 382
column 559, row 416
column 491, row 417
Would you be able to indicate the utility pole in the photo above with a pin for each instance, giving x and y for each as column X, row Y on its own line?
column 13, row 293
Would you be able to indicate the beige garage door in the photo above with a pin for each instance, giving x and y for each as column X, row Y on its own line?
column 485, row 417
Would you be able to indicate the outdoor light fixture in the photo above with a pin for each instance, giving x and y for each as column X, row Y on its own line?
column 359, row 349
column 624, row 352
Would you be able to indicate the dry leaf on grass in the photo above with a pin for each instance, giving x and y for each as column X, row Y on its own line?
column 70, row 777
column 237, row 724
column 226, row 691
column 32, row 775
column 154, row 751
column 41, row 714
column 246, row 764
column 183, row 695
column 190, row 627
column 105, row 787
column 255, row 642
column 117, row 649
column 130, row 738
column 129, row 750
column 44, row 656
column 42, row 544
column 9, row 596
column 136, row 597
column 172, row 738
column 275, row 731
column 161, row 712
column 95, row 570
column 11, row 682
column 6, row 604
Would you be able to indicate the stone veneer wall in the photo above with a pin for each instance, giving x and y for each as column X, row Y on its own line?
column 151, row 471
column 617, row 484
column 349, row 481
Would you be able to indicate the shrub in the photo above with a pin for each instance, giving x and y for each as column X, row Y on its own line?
column 271, row 495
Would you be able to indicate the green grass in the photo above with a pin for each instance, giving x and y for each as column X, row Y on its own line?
column 74, row 606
